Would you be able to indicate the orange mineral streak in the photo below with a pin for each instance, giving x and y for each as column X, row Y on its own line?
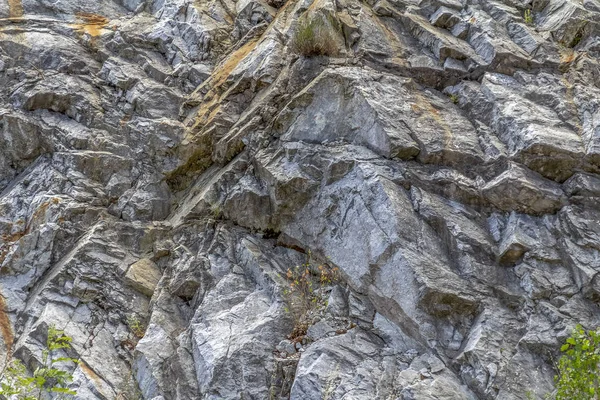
column 15, row 8
column 6, row 241
column 6, row 328
column 232, row 61
column 211, row 104
column 92, row 24
column 213, row 87
column 425, row 110
column 90, row 373
column 98, row 382
column 567, row 57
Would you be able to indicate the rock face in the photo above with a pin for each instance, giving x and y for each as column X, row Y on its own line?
column 165, row 163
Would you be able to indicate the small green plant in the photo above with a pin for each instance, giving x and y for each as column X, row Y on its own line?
column 454, row 98
column 302, row 292
column 315, row 36
column 216, row 212
column 577, row 38
column 16, row 383
column 136, row 326
column 528, row 17
column 579, row 366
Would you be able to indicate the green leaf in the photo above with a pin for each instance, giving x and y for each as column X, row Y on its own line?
column 578, row 367
column 63, row 390
column 17, row 383
column 64, row 359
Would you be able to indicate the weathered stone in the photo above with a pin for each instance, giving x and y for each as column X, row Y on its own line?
column 320, row 330
column 286, row 346
column 534, row 133
column 445, row 18
column 518, row 189
column 143, row 276
column 337, row 304
column 344, row 106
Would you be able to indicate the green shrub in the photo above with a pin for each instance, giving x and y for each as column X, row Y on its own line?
column 315, row 37
column 137, row 327
column 528, row 17
column 303, row 293
column 579, row 366
column 529, row 395
column 16, row 383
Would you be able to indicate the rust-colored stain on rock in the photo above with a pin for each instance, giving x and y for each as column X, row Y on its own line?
column 92, row 24
column 99, row 383
column 210, row 107
column 15, row 8
column 90, row 373
column 6, row 328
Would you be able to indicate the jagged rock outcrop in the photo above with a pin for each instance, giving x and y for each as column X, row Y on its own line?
column 165, row 163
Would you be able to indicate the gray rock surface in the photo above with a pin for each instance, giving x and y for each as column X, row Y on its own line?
column 165, row 165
